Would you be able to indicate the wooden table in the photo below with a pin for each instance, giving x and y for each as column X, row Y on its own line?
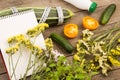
column 77, row 19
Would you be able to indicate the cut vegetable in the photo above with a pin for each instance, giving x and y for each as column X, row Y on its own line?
column 71, row 30
column 108, row 12
column 62, row 42
column 90, row 23
column 52, row 19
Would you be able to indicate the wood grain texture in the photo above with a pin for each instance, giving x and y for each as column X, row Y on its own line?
column 2, row 67
column 77, row 19
column 113, row 75
column 4, row 76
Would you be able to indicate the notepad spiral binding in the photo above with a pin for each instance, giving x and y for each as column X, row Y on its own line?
column 16, row 14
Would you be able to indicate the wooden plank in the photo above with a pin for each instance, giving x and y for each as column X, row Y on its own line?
column 112, row 75
column 2, row 67
column 53, row 3
column 9, row 3
column 105, row 2
column 4, row 76
column 44, row 3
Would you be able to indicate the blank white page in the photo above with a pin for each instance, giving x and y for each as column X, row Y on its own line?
column 12, row 25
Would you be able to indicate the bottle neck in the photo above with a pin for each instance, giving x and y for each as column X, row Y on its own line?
column 82, row 4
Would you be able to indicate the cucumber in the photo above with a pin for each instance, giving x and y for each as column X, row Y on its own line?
column 52, row 19
column 62, row 42
column 108, row 12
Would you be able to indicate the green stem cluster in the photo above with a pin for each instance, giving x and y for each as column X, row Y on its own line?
column 99, row 47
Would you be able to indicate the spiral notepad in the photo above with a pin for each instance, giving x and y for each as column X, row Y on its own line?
column 12, row 25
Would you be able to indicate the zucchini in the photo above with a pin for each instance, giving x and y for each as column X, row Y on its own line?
column 52, row 19
column 106, row 15
column 62, row 42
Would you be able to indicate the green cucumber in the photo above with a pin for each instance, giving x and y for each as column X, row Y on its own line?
column 52, row 19
column 62, row 42
column 108, row 12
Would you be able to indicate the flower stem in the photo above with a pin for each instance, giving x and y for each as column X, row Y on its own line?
column 29, row 63
column 113, row 40
column 17, row 61
column 106, row 35
column 9, row 65
column 13, row 68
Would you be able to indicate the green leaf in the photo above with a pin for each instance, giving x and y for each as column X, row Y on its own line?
column 62, row 58
column 94, row 73
column 37, row 77
column 47, row 69
column 80, row 76
column 52, row 65
column 69, row 78
column 67, row 68
column 56, row 76
column 78, row 70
